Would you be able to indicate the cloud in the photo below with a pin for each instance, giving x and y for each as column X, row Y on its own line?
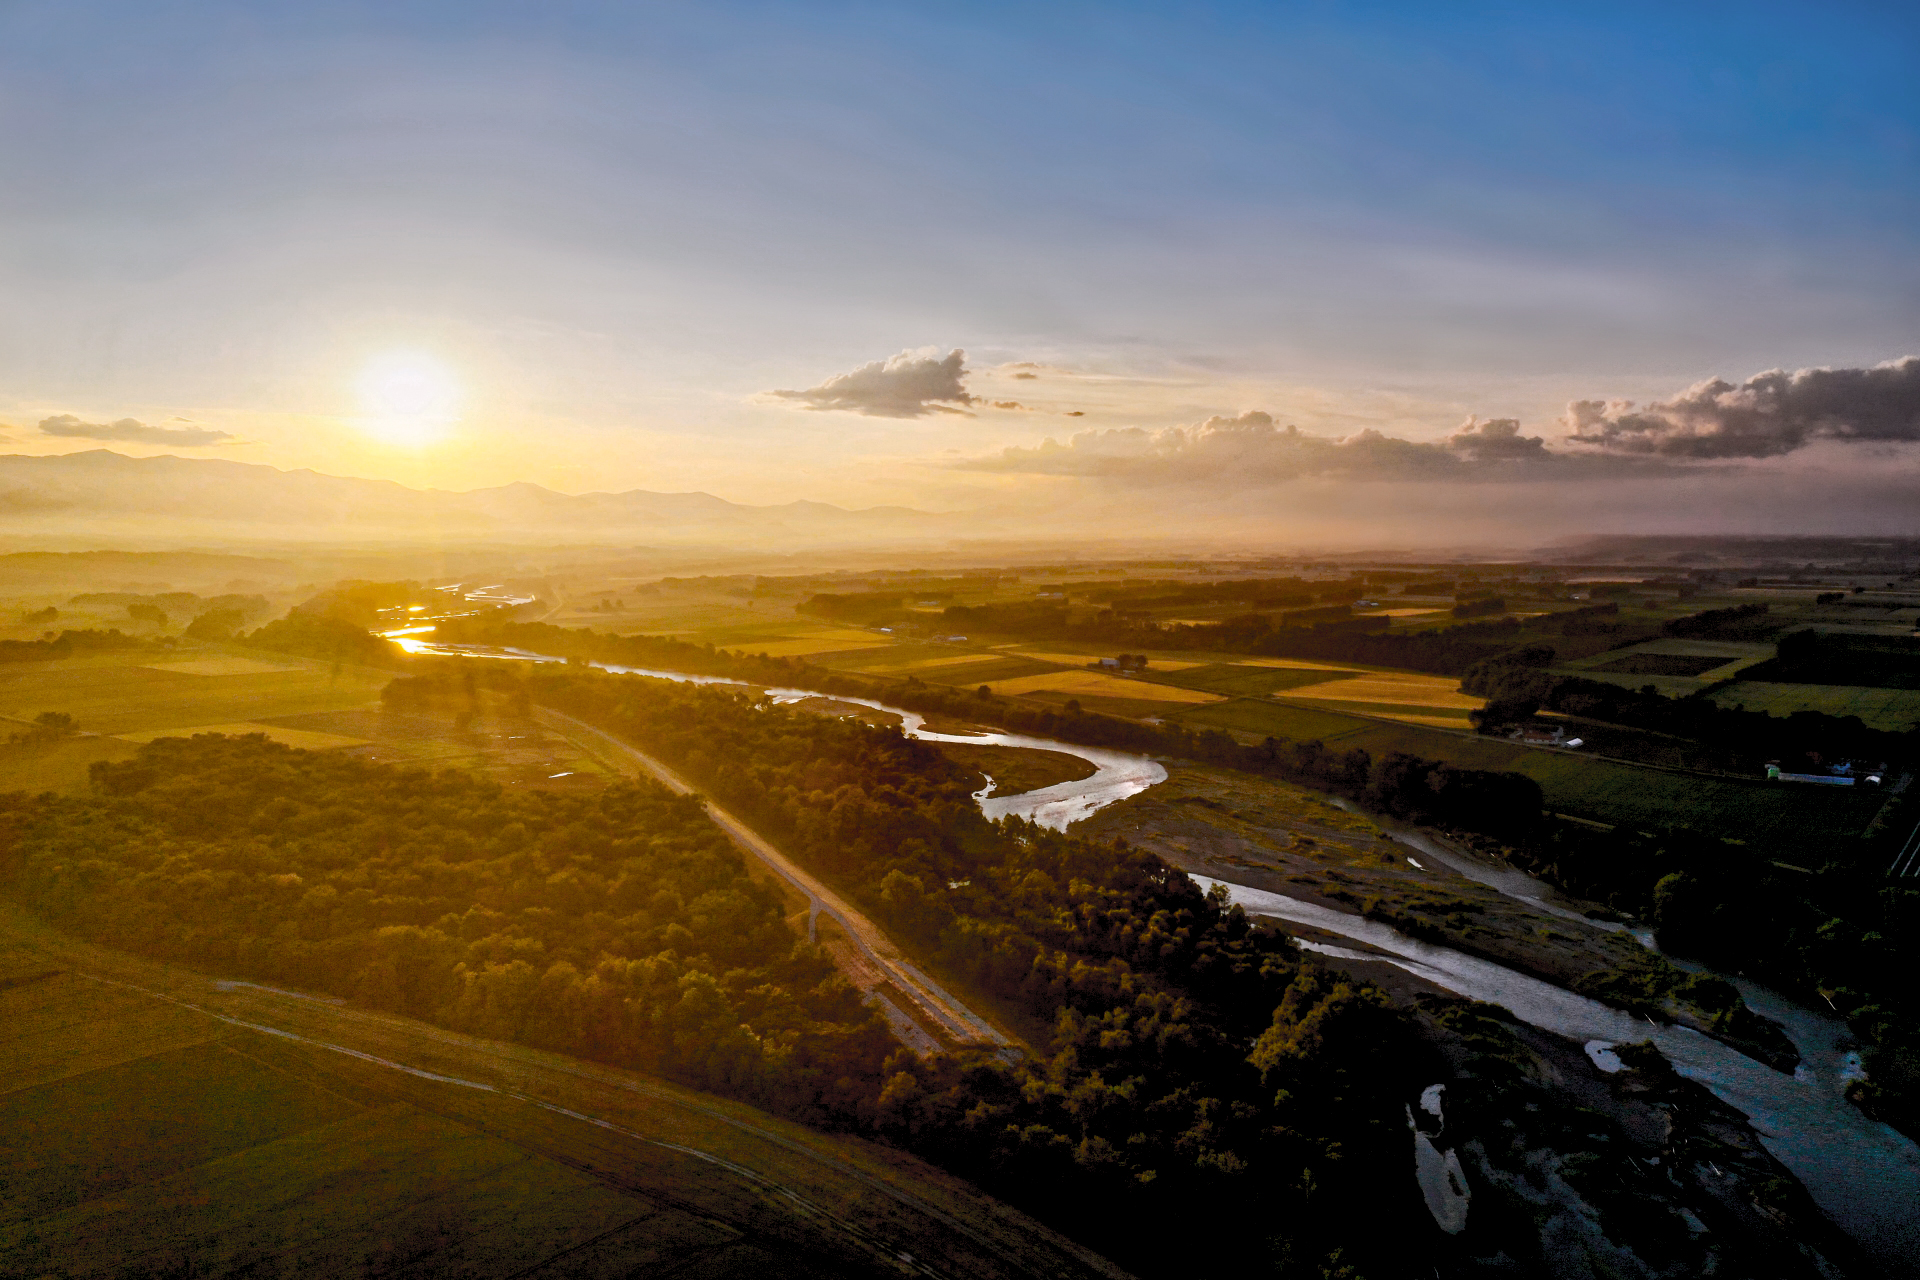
column 131, row 429
column 1025, row 376
column 1769, row 414
column 1495, row 439
column 1250, row 450
column 1008, row 404
column 910, row 385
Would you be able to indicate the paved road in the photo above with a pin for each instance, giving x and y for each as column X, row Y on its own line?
column 878, row 960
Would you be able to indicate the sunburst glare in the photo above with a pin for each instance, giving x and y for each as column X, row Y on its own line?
column 408, row 400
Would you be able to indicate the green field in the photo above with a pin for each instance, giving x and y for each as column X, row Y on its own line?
column 243, row 1154
column 109, row 694
column 971, row 674
column 118, row 702
column 140, row 1136
column 1785, row 818
column 113, row 693
column 1896, row 709
column 1247, row 682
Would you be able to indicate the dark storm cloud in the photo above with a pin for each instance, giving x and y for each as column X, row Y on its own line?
column 1250, row 449
column 910, row 385
column 131, row 429
column 1769, row 414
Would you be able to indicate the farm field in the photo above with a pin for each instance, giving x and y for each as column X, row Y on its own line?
column 1080, row 681
column 119, row 703
column 1600, row 790
column 1400, row 695
column 931, row 663
column 1896, row 709
column 809, row 646
column 116, row 693
column 306, row 739
column 993, row 673
column 1402, row 689
column 1667, row 685
column 1068, row 658
column 146, row 1131
column 1677, row 666
column 221, row 667
column 1239, row 680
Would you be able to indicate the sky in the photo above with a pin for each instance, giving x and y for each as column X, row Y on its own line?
column 736, row 247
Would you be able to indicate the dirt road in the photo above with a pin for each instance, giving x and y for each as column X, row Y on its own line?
column 876, row 959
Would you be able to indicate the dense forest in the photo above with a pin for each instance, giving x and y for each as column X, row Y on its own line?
column 621, row 926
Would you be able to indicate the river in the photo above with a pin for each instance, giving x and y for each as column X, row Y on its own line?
column 1865, row 1175
column 1116, row 774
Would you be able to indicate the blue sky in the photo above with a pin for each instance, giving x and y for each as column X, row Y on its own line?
column 611, row 226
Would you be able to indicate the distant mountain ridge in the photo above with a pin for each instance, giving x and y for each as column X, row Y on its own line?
column 101, row 485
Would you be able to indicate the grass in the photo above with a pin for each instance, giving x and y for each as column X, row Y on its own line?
column 1666, row 686
column 899, row 656
column 72, row 1140
column 1600, row 790
column 114, row 694
column 1897, row 709
column 1662, row 664
column 812, row 645
column 1067, row 659
column 1405, row 689
column 307, row 739
column 140, row 1137
column 1288, row 664
column 1237, row 680
column 127, row 698
column 1082, row 682
column 992, row 673
column 1015, row 770
column 1677, row 666
column 60, row 766
column 1411, row 713
column 221, row 667
column 929, row 664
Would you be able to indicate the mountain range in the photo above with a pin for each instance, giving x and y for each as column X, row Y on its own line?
column 213, row 496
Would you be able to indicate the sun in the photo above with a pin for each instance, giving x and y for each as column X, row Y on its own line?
column 408, row 400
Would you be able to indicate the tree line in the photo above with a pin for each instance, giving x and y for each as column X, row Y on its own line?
column 68, row 643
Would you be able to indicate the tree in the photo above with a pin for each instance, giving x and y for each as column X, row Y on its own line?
column 216, row 624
